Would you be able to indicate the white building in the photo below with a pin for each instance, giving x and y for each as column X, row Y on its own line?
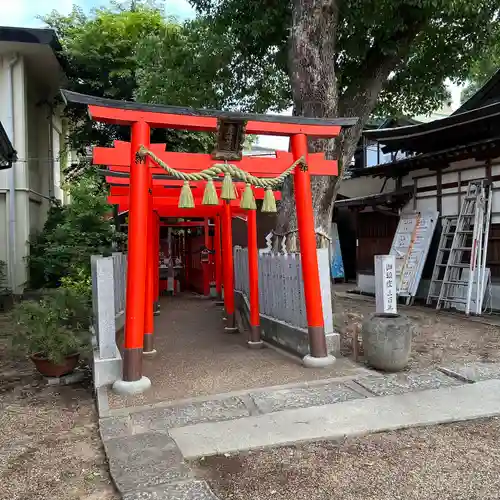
column 30, row 78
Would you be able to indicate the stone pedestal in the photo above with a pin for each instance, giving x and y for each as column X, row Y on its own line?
column 387, row 341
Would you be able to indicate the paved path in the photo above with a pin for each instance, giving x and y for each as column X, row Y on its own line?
column 341, row 420
column 197, row 358
column 145, row 447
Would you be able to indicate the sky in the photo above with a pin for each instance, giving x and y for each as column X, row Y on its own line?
column 24, row 13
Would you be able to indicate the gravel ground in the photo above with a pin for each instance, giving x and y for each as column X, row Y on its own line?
column 441, row 338
column 455, row 462
column 50, row 448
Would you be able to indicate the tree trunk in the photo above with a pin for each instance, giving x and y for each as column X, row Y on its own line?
column 315, row 94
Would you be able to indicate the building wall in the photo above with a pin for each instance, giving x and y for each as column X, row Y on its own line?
column 34, row 170
column 364, row 186
column 437, row 190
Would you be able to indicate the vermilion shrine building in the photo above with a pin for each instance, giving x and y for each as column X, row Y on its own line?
column 158, row 189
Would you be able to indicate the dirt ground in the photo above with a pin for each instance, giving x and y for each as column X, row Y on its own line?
column 50, row 447
column 440, row 339
column 447, row 462
column 49, row 442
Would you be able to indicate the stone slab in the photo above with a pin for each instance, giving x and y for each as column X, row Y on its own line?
column 473, row 372
column 347, row 419
column 145, row 460
column 114, row 427
column 176, row 416
column 71, row 378
column 188, row 490
column 401, row 383
column 302, row 397
column 106, row 371
column 124, row 447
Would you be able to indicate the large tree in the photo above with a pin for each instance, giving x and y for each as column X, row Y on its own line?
column 349, row 58
column 482, row 69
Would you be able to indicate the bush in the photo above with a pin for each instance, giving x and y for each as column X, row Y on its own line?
column 72, row 234
column 56, row 326
column 4, row 286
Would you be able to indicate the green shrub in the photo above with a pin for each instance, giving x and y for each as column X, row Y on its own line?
column 4, row 285
column 72, row 234
column 54, row 327
column 80, row 283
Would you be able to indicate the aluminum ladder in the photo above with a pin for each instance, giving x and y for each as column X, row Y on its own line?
column 467, row 253
column 447, row 233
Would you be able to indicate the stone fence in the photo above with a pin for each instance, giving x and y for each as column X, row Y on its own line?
column 109, row 279
column 281, row 297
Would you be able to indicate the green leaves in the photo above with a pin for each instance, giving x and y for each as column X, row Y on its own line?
column 71, row 235
column 451, row 36
column 55, row 326
column 110, row 49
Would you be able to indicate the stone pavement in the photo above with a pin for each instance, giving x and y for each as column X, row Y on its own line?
column 197, row 358
column 142, row 444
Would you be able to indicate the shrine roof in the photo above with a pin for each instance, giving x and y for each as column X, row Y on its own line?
column 71, row 97
column 394, row 199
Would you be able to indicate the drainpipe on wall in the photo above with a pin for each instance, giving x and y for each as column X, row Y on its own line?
column 51, row 153
column 12, row 174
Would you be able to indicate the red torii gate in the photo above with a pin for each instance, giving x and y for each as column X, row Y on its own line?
column 164, row 204
column 141, row 118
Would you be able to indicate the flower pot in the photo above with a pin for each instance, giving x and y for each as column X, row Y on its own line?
column 50, row 369
column 387, row 341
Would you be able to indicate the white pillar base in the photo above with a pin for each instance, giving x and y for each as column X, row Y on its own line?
column 125, row 388
column 255, row 345
column 311, row 362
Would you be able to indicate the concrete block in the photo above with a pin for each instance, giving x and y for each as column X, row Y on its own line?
column 400, row 383
column 107, row 371
column 114, row 427
column 292, row 339
column 473, row 372
column 341, row 420
column 103, row 298
column 71, row 378
column 161, row 419
column 145, row 460
column 303, row 397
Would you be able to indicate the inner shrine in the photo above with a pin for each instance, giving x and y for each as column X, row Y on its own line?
column 180, row 207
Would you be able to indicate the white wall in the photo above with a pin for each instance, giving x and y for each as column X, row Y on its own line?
column 451, row 198
column 34, row 175
column 364, row 186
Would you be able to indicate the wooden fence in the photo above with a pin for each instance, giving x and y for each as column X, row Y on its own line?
column 281, row 289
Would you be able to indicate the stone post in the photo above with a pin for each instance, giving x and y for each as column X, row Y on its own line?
column 385, row 284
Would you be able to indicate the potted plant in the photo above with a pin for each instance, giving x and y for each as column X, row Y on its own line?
column 53, row 331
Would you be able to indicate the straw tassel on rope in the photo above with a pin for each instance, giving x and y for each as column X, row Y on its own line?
column 186, row 199
column 210, row 196
column 228, row 192
column 269, row 203
column 248, row 198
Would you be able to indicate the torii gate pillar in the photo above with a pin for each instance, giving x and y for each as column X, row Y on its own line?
column 133, row 381
column 318, row 356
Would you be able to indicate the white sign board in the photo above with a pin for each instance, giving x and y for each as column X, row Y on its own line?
column 410, row 247
column 385, row 284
